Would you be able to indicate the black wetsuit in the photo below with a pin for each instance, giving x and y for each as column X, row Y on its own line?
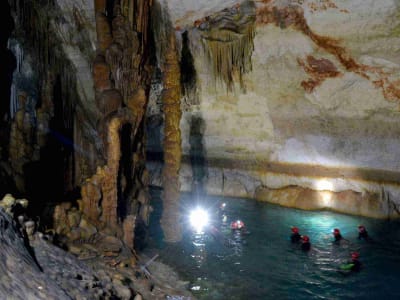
column 295, row 237
column 356, row 265
column 338, row 237
column 305, row 246
column 363, row 235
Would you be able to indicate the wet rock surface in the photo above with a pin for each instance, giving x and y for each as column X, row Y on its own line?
column 99, row 268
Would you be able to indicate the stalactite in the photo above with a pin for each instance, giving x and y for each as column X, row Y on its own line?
column 13, row 101
column 121, row 56
column 19, row 56
column 170, row 221
column 228, row 42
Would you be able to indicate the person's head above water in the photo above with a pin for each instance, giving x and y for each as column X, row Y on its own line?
column 305, row 239
column 361, row 228
column 336, row 231
column 295, row 229
column 355, row 255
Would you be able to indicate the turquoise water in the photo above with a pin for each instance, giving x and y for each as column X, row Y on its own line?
column 263, row 264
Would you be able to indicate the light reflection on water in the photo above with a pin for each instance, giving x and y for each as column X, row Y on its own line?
column 263, row 264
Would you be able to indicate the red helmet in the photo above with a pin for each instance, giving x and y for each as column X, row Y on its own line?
column 295, row 230
column 355, row 255
column 234, row 225
column 336, row 231
column 305, row 238
column 361, row 227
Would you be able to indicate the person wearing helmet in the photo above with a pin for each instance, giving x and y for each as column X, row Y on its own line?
column 337, row 235
column 362, row 233
column 237, row 225
column 295, row 237
column 354, row 265
column 305, row 243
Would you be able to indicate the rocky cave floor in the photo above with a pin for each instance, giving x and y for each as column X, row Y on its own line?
column 33, row 267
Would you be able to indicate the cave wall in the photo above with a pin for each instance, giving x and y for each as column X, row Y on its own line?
column 77, row 104
column 320, row 101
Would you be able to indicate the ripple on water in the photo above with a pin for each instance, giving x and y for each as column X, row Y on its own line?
column 265, row 265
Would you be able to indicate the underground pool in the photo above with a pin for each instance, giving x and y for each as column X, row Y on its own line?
column 260, row 262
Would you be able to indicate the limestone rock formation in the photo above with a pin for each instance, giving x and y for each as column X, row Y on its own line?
column 321, row 94
column 271, row 99
column 34, row 268
column 80, row 90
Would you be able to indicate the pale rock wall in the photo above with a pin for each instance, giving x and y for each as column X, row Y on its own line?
column 346, row 121
column 325, row 94
column 77, row 30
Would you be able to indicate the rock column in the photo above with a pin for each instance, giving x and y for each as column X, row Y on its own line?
column 172, row 143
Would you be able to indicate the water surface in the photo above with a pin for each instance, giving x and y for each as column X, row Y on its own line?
column 263, row 264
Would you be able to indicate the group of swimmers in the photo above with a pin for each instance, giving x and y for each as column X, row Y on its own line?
column 305, row 244
column 353, row 265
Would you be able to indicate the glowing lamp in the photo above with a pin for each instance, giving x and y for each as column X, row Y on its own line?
column 198, row 219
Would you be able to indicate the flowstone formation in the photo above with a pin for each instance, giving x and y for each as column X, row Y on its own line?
column 77, row 116
column 227, row 37
column 77, row 147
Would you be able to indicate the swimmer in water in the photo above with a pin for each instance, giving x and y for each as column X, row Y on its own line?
column 336, row 234
column 351, row 266
column 237, row 225
column 362, row 233
column 295, row 237
column 305, row 243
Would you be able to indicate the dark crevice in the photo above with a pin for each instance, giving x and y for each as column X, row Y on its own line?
column 125, row 175
column 110, row 10
column 8, row 65
column 50, row 178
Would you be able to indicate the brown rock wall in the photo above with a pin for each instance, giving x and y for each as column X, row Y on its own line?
column 350, row 202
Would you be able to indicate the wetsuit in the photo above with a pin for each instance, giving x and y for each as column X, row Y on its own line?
column 363, row 235
column 338, row 237
column 356, row 265
column 305, row 246
column 295, row 237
